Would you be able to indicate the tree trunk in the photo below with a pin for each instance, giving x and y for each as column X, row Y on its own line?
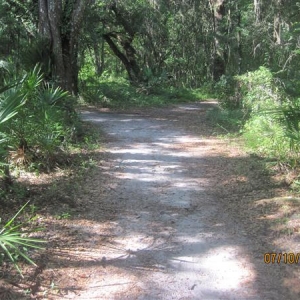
column 219, row 55
column 257, row 10
column 59, row 23
column 277, row 22
column 128, row 60
column 121, row 44
column 99, row 57
column 239, row 38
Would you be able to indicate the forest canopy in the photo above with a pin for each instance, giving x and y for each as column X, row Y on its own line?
column 190, row 42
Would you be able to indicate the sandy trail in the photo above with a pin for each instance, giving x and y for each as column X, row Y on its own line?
column 170, row 239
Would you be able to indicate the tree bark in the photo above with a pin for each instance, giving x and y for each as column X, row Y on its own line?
column 99, row 57
column 239, row 38
column 128, row 60
column 59, row 23
column 219, row 55
column 121, row 44
column 277, row 22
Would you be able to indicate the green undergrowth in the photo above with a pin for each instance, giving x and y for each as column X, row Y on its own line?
column 56, row 196
column 120, row 94
column 258, row 107
column 76, row 159
column 226, row 121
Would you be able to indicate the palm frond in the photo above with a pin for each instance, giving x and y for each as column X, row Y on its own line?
column 11, row 240
column 9, row 106
column 52, row 95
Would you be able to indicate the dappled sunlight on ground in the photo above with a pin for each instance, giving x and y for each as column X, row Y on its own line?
column 164, row 215
column 171, row 238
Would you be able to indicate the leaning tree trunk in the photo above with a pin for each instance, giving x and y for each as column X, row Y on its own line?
column 129, row 64
column 121, row 44
column 59, row 23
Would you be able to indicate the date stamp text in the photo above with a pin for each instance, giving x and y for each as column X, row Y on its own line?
column 284, row 257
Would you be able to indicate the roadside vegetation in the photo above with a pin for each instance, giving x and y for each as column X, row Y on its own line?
column 123, row 54
column 260, row 108
column 117, row 93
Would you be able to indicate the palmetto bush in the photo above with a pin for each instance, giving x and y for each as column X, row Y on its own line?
column 37, row 121
column 273, row 126
column 44, row 124
column 11, row 99
column 13, row 242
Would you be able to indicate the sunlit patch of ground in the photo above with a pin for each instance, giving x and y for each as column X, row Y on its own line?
column 161, row 217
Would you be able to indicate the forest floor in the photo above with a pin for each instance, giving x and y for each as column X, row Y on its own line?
column 167, row 211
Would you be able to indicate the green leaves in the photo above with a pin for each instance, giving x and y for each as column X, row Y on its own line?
column 291, row 122
column 34, row 115
column 13, row 243
column 9, row 105
column 14, row 95
column 273, row 127
column 32, row 80
column 51, row 95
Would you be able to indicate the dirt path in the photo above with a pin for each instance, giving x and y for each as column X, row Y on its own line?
column 167, row 212
column 170, row 238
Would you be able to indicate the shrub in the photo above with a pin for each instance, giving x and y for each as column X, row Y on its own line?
column 260, row 90
column 264, row 134
column 227, row 119
column 269, row 117
column 229, row 93
column 42, row 127
column 273, row 125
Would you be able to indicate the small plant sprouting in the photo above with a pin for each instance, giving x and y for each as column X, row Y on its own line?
column 33, row 208
column 64, row 215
